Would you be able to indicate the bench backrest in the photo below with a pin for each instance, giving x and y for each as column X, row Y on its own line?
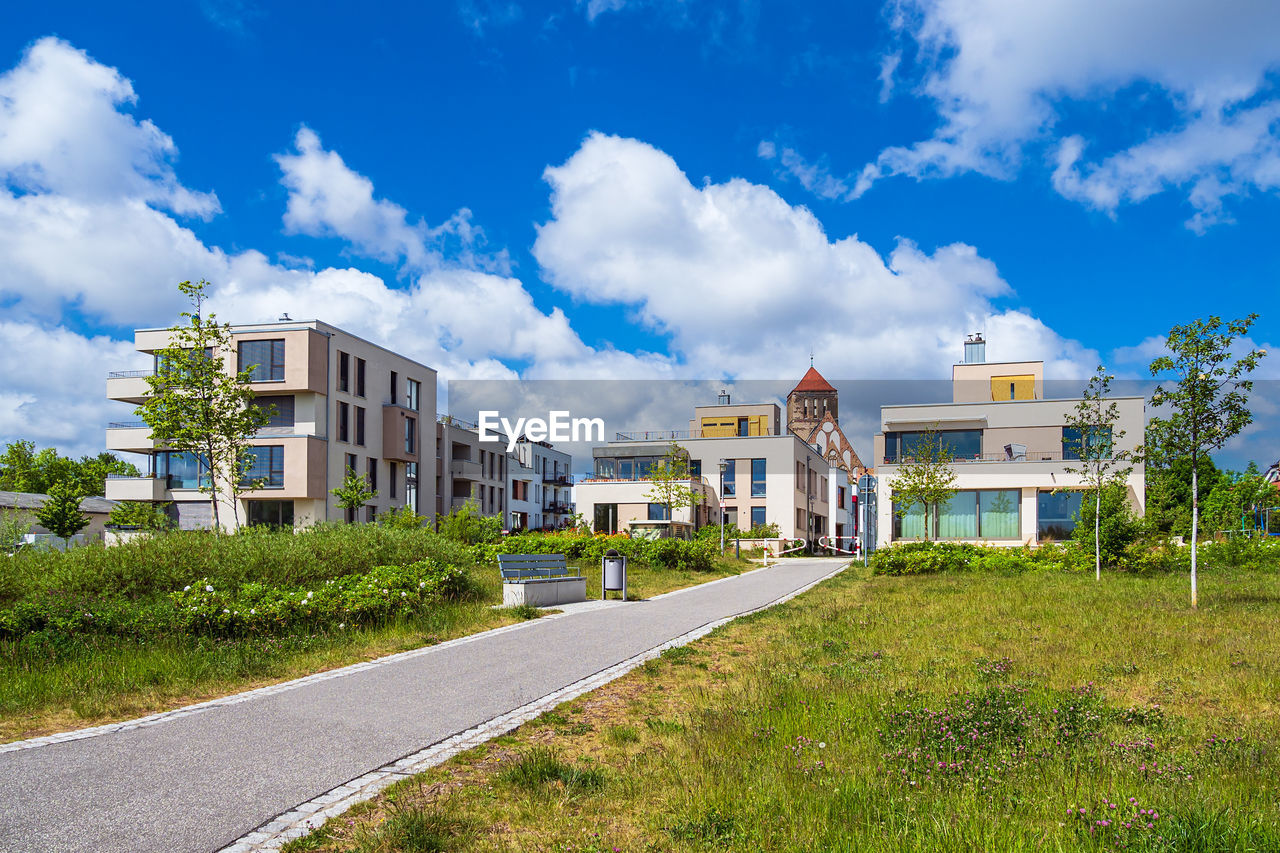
column 519, row 566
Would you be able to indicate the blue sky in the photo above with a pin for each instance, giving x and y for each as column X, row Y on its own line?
column 634, row 188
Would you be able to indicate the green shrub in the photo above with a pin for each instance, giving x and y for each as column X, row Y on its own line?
column 1118, row 529
column 401, row 518
column 694, row 555
column 467, row 526
column 919, row 558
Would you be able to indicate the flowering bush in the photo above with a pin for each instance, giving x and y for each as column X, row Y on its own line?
column 381, row 593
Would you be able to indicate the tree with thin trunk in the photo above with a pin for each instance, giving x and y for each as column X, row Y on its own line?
column 924, row 477
column 670, row 482
column 61, row 514
column 199, row 404
column 354, row 493
column 1097, row 459
column 1208, row 404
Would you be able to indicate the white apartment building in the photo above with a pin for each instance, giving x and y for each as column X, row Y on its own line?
column 470, row 470
column 547, row 501
column 340, row 402
column 1011, row 450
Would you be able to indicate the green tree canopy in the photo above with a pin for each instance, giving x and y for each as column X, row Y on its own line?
column 61, row 514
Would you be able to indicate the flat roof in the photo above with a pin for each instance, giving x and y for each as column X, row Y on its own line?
column 1006, row 402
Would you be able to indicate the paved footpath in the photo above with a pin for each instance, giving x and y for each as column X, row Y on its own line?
column 201, row 780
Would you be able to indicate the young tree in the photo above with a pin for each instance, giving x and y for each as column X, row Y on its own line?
column 1098, row 462
column 924, row 476
column 61, row 514
column 670, row 482
column 148, row 516
column 1207, row 403
column 14, row 524
column 198, row 405
column 354, row 493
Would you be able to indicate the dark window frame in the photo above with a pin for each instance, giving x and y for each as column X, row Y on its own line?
column 270, row 362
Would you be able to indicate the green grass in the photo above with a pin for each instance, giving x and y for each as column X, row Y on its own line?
column 929, row 713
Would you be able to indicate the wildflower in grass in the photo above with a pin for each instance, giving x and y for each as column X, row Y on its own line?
column 208, row 587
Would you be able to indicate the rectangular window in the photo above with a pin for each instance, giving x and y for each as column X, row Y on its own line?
column 1073, row 442
column 344, row 371
column 626, row 469
column 958, row 517
column 410, row 435
column 265, row 464
column 695, row 468
column 606, row 518
column 743, row 427
column 659, row 512
column 1057, row 514
column 414, row 389
column 395, row 387
column 757, row 478
column 270, row 513
column 391, row 479
column 282, row 416
column 359, row 425
column 964, row 444
column 984, row 514
column 359, row 377
column 730, row 475
column 998, row 514
column 352, row 462
column 370, row 513
column 757, row 516
column 264, row 360
column 373, row 474
column 344, row 422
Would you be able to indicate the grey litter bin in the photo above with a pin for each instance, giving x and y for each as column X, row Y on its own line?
column 613, row 574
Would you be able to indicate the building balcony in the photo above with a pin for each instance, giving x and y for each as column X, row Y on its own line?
column 130, row 436
column 122, row 488
column 129, row 386
column 557, row 479
column 559, row 508
column 1015, row 455
column 465, row 469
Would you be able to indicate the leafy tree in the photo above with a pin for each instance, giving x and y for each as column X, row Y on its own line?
column 670, row 482
column 23, row 469
column 924, row 477
column 354, row 493
column 1098, row 462
column 1234, row 499
column 1169, row 490
column 1108, row 524
column 14, row 524
column 198, row 405
column 1208, row 401
column 61, row 514
column 148, row 516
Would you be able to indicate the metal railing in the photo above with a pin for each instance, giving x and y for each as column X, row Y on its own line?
column 130, row 374
column 678, row 434
column 557, row 479
column 450, row 420
column 127, row 425
column 1029, row 456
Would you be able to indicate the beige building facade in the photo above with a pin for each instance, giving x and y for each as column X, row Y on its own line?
column 339, row 402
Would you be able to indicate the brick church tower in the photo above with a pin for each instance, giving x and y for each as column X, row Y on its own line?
column 813, row 413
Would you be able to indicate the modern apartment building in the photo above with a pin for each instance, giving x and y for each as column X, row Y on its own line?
column 339, row 402
column 769, row 476
column 1011, row 450
column 470, row 469
column 547, row 494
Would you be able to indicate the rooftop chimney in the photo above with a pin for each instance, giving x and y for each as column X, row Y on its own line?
column 975, row 349
column 723, row 399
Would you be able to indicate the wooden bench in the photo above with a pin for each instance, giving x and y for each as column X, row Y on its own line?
column 541, row 580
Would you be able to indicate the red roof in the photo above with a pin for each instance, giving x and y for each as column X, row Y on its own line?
column 813, row 381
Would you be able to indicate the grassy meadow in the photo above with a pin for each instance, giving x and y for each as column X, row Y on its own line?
column 93, row 637
column 977, row 712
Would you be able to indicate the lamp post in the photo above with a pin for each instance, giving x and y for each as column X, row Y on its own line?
column 720, row 495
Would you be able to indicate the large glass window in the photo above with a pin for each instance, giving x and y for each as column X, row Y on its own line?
column 1072, row 442
column 344, row 422
column 963, row 444
column 606, row 469
column 272, row 513
column 411, row 485
column 958, row 517
column 280, row 410
column 266, row 464
column 360, row 425
column 264, row 358
column 410, row 435
column 606, row 518
column 757, row 516
column 344, row 371
column 695, row 468
column 998, row 514
column 626, row 469
column 1057, row 514
column 757, row 478
column 415, row 392
column 182, row 470
column 360, row 377
column 730, row 478
column 659, row 512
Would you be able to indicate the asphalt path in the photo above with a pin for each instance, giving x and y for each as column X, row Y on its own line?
column 198, row 782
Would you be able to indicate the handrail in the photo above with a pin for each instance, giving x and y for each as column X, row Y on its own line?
column 130, row 374
column 804, row 543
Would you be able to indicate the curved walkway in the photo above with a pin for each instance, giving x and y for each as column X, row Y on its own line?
column 201, row 779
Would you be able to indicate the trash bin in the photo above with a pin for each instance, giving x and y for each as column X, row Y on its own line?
column 613, row 574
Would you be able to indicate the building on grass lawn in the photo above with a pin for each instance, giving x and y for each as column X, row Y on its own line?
column 1011, row 452
column 548, row 491
column 340, row 403
column 470, row 470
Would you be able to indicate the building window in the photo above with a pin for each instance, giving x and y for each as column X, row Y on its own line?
column 1073, row 441
column 744, row 427
column 659, row 512
column 344, row 422
column 415, row 390
column 606, row 518
column 695, row 468
column 1057, row 514
column 352, row 462
column 282, row 416
column 970, row 514
column 410, row 435
column 411, row 485
column 391, row 479
column 270, row 513
column 266, row 464
column 757, row 516
column 757, row 478
column 359, row 425
column 263, row 359
column 730, row 475
column 182, row 470
column 370, row 513
column 359, row 377
column 373, row 474
column 395, row 389
column 344, row 371
column 963, row 444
